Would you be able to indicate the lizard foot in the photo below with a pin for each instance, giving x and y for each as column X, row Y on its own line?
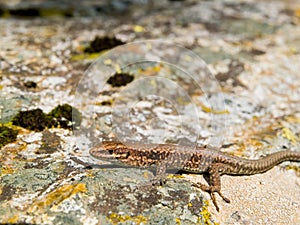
column 159, row 180
column 156, row 181
column 211, row 190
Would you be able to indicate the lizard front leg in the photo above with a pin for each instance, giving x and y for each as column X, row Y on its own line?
column 214, row 183
column 160, row 174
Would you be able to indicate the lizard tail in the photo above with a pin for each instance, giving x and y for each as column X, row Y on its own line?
column 268, row 162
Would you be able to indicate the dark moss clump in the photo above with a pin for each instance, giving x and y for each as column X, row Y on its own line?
column 30, row 84
column 102, row 43
column 7, row 193
column 66, row 116
column 7, row 135
column 106, row 103
column 28, row 12
column 120, row 79
column 34, row 119
column 2, row 11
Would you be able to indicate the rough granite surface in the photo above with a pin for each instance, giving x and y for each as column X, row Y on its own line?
column 252, row 48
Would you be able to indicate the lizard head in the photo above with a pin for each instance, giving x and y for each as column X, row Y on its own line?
column 110, row 150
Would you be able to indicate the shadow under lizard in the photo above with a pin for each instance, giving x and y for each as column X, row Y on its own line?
column 195, row 160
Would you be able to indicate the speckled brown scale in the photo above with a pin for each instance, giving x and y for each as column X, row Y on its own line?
column 196, row 160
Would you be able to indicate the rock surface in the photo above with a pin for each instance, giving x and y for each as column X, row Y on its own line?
column 251, row 49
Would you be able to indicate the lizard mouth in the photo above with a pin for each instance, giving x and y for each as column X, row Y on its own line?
column 102, row 153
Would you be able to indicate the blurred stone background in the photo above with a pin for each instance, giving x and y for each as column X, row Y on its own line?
column 251, row 48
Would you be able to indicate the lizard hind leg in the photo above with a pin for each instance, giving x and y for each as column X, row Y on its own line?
column 214, row 182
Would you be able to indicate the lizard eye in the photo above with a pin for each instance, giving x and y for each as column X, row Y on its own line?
column 111, row 151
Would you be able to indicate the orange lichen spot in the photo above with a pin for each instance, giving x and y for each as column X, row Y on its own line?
column 297, row 12
column 58, row 196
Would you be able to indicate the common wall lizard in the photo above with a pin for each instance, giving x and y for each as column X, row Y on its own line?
column 196, row 160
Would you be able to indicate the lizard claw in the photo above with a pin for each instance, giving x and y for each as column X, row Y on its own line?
column 159, row 180
column 223, row 197
column 211, row 190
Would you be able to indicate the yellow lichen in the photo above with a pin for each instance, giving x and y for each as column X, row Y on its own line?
column 7, row 169
column 57, row 196
column 213, row 111
column 170, row 176
column 117, row 67
column 13, row 220
column 293, row 119
column 151, row 70
column 288, row 134
column 138, row 29
column 293, row 167
column 146, row 175
column 206, row 215
column 90, row 56
column 90, row 173
column 115, row 218
column 108, row 62
column 246, row 143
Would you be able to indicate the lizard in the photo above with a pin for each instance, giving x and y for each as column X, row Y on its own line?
column 200, row 160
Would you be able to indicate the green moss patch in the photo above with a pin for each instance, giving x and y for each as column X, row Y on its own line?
column 66, row 116
column 102, row 43
column 120, row 79
column 7, row 135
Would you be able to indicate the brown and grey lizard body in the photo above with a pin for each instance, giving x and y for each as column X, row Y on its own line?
column 196, row 160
